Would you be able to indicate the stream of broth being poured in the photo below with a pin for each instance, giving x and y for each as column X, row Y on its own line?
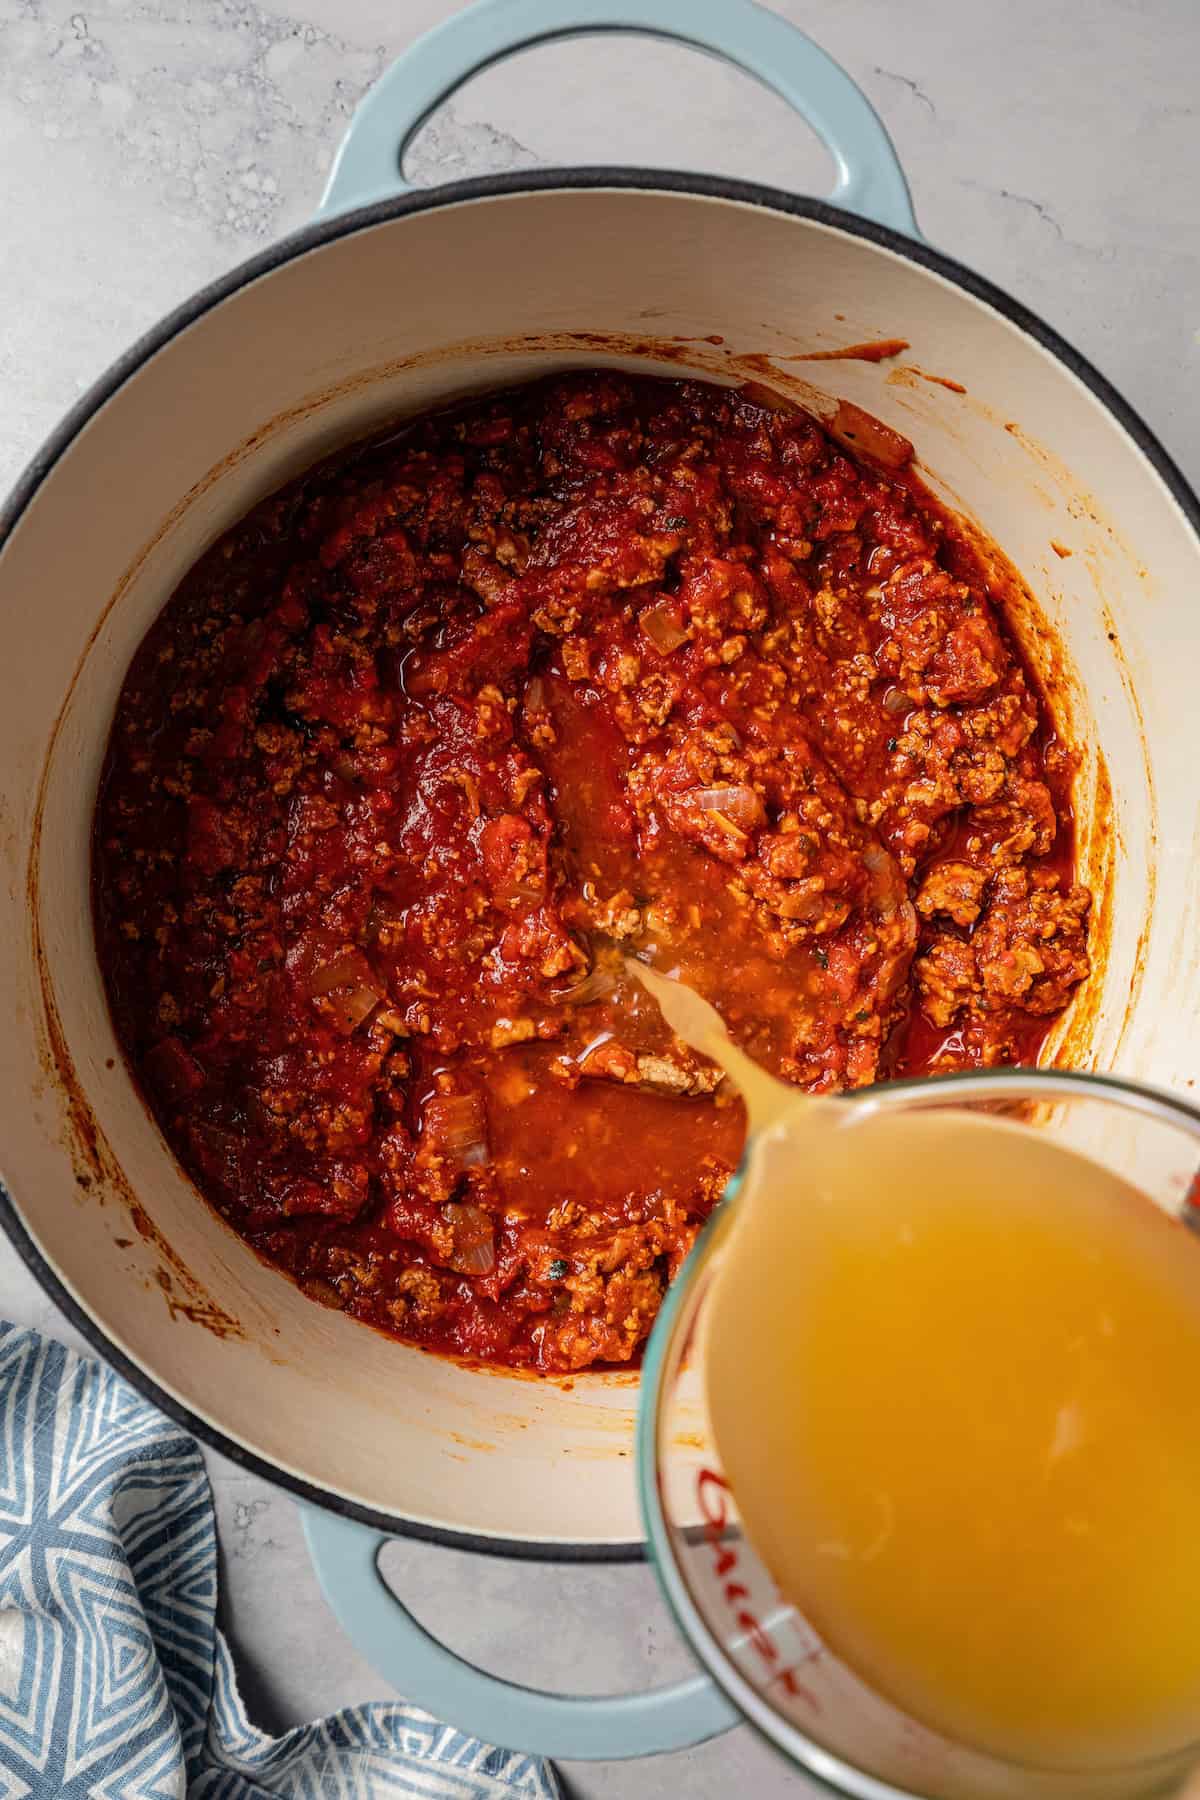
column 952, row 1370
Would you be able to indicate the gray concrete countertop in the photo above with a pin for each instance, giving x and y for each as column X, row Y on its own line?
column 147, row 145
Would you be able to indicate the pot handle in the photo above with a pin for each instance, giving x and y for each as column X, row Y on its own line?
column 577, row 1728
column 870, row 181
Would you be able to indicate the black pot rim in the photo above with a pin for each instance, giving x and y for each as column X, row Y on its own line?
column 289, row 249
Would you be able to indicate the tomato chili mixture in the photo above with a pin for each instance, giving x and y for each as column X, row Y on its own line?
column 440, row 733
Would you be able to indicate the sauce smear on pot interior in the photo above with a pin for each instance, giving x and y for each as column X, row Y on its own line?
column 433, row 736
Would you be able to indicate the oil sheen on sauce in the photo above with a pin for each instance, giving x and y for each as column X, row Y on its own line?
column 953, row 1375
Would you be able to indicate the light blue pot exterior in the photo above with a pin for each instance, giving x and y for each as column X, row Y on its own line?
column 869, row 180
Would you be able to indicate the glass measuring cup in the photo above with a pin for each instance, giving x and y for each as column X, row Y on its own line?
column 759, row 1649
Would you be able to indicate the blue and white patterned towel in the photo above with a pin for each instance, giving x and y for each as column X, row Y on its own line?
column 115, row 1683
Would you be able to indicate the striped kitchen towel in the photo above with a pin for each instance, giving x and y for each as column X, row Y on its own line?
column 115, row 1683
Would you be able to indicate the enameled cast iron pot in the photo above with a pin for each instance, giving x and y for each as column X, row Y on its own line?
column 390, row 301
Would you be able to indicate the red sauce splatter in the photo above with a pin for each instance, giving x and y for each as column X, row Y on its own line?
column 955, row 387
column 881, row 350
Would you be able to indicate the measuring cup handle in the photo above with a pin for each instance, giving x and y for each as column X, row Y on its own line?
column 578, row 1728
column 870, row 181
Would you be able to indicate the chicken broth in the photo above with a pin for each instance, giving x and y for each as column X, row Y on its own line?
column 951, row 1372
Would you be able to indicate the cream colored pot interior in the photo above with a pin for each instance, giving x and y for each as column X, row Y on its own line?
column 386, row 321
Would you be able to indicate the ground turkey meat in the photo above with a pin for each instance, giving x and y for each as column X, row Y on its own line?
column 439, row 733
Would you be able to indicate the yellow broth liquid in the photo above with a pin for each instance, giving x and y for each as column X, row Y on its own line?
column 953, row 1375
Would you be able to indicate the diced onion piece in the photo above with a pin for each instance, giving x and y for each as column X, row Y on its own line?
column 807, row 903
column 535, row 694
column 351, row 1005
column 517, row 892
column 474, row 1238
column 896, row 701
column 737, row 808
column 343, row 969
column 455, row 1126
column 350, row 989
column 885, row 882
column 661, row 624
